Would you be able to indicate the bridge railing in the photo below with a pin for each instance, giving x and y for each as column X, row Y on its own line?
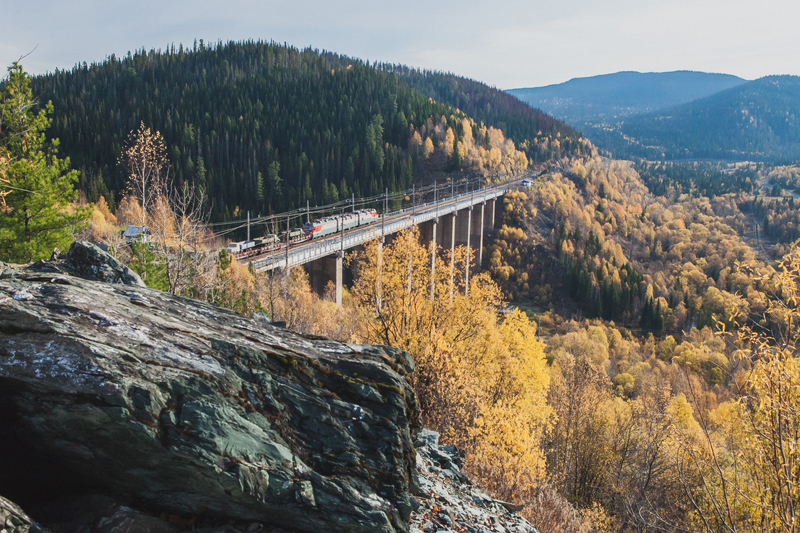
column 392, row 223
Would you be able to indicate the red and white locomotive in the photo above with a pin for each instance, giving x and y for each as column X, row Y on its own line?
column 311, row 230
column 333, row 224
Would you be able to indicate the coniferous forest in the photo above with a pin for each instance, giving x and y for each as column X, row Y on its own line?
column 754, row 121
column 266, row 127
column 540, row 135
column 622, row 355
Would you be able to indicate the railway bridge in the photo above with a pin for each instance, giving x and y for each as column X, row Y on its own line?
column 461, row 219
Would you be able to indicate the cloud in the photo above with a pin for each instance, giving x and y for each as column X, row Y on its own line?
column 507, row 43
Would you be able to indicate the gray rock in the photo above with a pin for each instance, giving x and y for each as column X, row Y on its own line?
column 88, row 261
column 447, row 498
column 261, row 317
column 414, row 503
column 99, row 514
column 427, row 437
column 512, row 507
column 457, row 455
column 14, row 520
column 183, row 407
column 46, row 267
column 305, row 494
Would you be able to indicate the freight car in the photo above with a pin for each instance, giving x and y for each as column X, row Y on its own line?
column 244, row 249
column 310, row 230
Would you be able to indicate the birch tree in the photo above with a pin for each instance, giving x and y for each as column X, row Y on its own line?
column 179, row 229
column 144, row 158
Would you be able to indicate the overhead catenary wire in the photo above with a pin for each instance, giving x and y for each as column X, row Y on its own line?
column 333, row 209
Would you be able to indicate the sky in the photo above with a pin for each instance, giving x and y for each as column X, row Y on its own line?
column 505, row 43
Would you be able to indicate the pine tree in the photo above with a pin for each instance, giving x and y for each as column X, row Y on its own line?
column 39, row 215
column 259, row 187
column 274, row 179
column 658, row 318
column 647, row 315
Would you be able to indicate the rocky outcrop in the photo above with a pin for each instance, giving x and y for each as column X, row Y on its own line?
column 447, row 501
column 88, row 261
column 172, row 407
column 14, row 520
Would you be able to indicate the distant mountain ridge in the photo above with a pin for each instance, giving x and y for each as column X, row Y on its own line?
column 680, row 115
column 609, row 97
column 759, row 120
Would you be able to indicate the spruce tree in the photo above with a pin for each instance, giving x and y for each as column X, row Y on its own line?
column 39, row 214
column 646, row 320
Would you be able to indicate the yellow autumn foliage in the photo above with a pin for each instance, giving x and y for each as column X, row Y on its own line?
column 286, row 298
column 739, row 461
column 481, row 377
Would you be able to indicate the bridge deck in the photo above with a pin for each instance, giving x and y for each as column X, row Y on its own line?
column 306, row 252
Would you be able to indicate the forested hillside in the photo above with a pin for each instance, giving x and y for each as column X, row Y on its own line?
column 640, row 385
column 669, row 333
column 598, row 99
column 755, row 121
column 758, row 200
column 697, row 178
column 650, row 263
column 538, row 134
column 267, row 127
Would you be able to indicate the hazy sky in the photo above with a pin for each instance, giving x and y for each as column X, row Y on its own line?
column 506, row 43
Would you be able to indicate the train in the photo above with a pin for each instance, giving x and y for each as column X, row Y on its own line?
column 334, row 224
column 244, row 249
column 310, row 230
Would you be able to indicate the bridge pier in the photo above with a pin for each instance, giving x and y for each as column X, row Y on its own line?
column 476, row 230
column 448, row 222
column 409, row 270
column 379, row 287
column 339, row 259
column 428, row 231
column 433, row 258
column 480, row 247
column 320, row 273
column 452, row 251
column 469, row 250
column 441, row 231
column 462, row 227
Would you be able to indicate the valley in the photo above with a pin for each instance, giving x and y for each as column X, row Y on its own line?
column 618, row 354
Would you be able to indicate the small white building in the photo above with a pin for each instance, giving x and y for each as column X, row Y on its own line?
column 136, row 233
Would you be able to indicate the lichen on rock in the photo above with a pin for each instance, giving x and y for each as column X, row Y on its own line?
column 177, row 406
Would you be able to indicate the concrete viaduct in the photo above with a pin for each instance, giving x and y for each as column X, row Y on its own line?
column 459, row 220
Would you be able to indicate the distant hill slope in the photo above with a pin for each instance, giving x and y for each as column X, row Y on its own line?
column 231, row 112
column 759, row 120
column 604, row 98
column 524, row 123
column 263, row 127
